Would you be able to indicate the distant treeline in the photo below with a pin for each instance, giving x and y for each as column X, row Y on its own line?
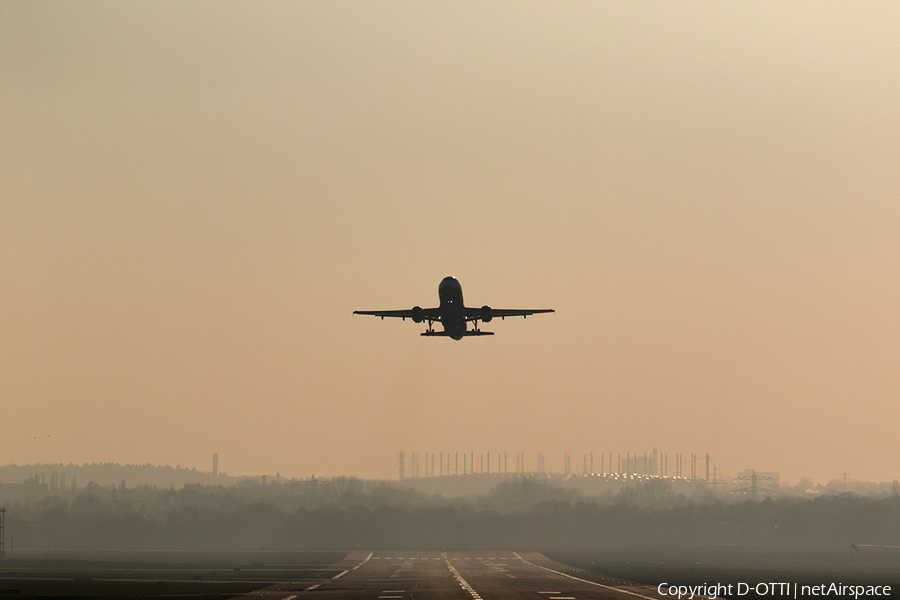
column 65, row 477
column 348, row 513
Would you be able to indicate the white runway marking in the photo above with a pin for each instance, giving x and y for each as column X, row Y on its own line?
column 312, row 587
column 608, row 587
column 462, row 582
column 339, row 575
column 363, row 562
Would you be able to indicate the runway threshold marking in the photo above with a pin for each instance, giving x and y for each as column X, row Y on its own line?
column 607, row 587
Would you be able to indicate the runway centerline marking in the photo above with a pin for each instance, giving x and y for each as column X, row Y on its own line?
column 462, row 582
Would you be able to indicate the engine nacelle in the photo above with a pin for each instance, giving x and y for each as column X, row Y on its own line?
column 418, row 315
column 486, row 314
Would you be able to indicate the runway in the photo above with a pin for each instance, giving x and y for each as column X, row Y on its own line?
column 456, row 576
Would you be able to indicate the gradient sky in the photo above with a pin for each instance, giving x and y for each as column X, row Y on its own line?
column 194, row 197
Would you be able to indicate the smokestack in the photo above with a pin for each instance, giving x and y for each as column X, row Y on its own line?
column 402, row 467
column 215, row 463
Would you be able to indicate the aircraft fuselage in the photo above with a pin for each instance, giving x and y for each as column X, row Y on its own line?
column 452, row 308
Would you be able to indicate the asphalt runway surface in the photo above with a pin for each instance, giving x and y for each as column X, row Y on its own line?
column 394, row 575
column 456, row 576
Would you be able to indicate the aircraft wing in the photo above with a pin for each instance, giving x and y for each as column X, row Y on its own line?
column 427, row 313
column 476, row 313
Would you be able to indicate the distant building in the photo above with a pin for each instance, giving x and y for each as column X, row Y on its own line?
column 215, row 463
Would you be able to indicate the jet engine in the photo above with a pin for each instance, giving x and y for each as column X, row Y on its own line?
column 418, row 315
column 486, row 314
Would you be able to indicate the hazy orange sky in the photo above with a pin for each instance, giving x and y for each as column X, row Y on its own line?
column 194, row 197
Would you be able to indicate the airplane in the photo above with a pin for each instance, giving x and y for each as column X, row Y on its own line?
column 453, row 314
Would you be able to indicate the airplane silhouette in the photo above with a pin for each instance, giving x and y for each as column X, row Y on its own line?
column 452, row 313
